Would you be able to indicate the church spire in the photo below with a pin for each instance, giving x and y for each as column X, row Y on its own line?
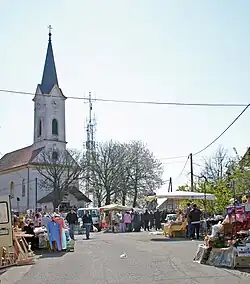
column 49, row 72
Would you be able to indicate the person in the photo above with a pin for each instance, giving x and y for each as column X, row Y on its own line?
column 72, row 220
column 157, row 216
column 146, row 219
column 195, row 218
column 188, row 228
column 128, row 221
column 87, row 223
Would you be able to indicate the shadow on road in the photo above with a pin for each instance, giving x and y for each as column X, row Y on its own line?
column 50, row 254
column 162, row 239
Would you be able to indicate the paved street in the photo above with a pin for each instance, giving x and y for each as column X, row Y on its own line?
column 97, row 261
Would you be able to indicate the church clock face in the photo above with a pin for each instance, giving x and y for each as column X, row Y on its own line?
column 54, row 104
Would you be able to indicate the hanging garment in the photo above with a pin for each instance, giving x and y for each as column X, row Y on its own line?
column 61, row 222
column 54, row 234
column 64, row 241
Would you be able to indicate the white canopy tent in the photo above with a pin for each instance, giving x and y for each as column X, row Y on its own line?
column 179, row 195
column 115, row 207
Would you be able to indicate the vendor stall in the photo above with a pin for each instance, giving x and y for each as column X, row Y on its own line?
column 173, row 228
column 112, row 217
column 229, row 243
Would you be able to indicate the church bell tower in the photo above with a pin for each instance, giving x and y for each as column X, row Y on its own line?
column 49, row 107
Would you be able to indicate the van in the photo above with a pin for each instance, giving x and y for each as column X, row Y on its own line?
column 95, row 214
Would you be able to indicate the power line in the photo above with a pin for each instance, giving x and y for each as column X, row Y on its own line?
column 183, row 168
column 134, row 101
column 218, row 137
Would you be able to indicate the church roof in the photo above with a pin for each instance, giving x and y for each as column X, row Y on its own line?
column 72, row 190
column 18, row 158
column 49, row 72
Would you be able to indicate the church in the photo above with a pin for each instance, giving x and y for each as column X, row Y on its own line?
column 19, row 177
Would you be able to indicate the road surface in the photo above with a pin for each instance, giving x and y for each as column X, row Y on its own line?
column 97, row 261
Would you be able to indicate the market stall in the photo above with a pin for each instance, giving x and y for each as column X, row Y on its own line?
column 178, row 227
column 229, row 243
column 112, row 217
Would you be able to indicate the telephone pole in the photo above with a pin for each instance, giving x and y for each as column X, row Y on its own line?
column 191, row 171
column 90, row 146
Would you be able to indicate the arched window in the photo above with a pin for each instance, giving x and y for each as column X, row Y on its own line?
column 12, row 189
column 54, row 127
column 23, row 188
column 39, row 133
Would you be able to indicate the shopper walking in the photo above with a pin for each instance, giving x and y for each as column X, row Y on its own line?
column 72, row 221
column 87, row 223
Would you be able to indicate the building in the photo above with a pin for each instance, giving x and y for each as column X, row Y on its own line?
column 18, row 175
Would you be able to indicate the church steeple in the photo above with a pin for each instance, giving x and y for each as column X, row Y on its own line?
column 49, row 107
column 49, row 72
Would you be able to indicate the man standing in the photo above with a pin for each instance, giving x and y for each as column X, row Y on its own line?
column 87, row 223
column 195, row 218
column 188, row 229
column 157, row 217
column 72, row 221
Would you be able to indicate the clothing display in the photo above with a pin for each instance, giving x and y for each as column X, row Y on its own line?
column 54, row 232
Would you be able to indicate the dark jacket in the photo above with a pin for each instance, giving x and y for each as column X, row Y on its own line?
column 71, row 218
column 195, row 215
column 87, row 219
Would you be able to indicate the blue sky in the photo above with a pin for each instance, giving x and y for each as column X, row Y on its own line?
column 190, row 51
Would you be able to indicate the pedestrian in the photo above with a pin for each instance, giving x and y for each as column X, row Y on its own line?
column 72, row 220
column 188, row 228
column 87, row 223
column 127, row 221
column 157, row 217
column 146, row 218
column 195, row 218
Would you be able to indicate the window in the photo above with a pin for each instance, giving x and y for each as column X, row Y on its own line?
column 54, row 127
column 12, row 188
column 54, row 156
column 39, row 133
column 4, row 216
column 23, row 188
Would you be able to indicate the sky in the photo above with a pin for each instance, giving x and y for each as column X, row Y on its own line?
column 174, row 51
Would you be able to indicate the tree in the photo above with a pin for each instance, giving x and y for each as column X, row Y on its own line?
column 123, row 172
column 59, row 170
column 216, row 166
column 143, row 170
column 106, row 170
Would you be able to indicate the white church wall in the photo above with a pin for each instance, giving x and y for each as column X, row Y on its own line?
column 24, row 188
column 19, row 178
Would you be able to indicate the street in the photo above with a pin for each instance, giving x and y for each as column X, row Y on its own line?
column 97, row 261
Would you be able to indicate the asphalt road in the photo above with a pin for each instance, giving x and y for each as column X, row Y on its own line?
column 97, row 261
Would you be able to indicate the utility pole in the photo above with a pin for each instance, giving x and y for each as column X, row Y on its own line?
column 191, row 171
column 90, row 146
column 36, row 192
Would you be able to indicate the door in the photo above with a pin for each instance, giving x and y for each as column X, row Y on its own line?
column 6, row 239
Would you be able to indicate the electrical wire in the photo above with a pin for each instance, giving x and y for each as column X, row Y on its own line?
column 218, row 137
column 183, row 167
column 132, row 101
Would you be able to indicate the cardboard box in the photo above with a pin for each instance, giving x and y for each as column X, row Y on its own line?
column 242, row 261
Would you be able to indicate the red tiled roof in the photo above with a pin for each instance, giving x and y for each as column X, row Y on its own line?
column 18, row 158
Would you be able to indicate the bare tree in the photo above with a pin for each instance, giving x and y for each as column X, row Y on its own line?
column 60, row 170
column 144, row 171
column 216, row 167
column 124, row 172
column 106, row 170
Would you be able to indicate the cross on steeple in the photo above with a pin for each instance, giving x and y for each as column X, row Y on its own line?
column 50, row 28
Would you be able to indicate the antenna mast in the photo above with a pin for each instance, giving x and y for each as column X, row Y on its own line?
column 90, row 147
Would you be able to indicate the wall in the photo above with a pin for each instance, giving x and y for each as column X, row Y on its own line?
column 70, row 198
column 18, row 176
column 47, row 111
